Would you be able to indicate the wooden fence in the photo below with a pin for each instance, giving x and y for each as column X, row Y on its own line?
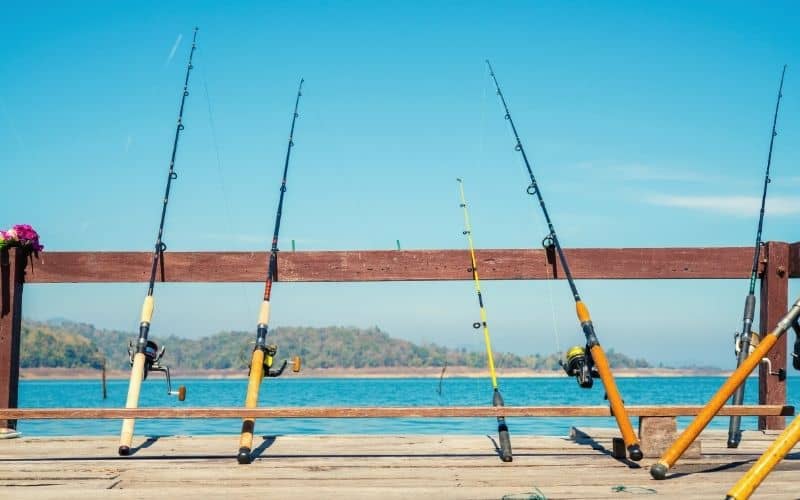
column 779, row 262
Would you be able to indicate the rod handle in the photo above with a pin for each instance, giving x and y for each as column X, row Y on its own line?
column 147, row 309
column 134, row 388
column 616, row 403
column 582, row 312
column 251, row 401
column 263, row 313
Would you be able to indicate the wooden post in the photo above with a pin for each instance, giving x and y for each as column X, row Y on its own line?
column 774, row 303
column 12, row 271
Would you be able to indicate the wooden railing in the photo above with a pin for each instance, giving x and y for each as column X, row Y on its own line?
column 780, row 262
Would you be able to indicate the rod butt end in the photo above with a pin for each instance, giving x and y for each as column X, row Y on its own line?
column 244, row 457
column 734, row 439
column 635, row 452
column 506, row 455
column 659, row 470
column 124, row 451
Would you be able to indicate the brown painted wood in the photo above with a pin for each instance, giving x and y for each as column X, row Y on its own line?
column 774, row 303
column 382, row 412
column 390, row 265
column 12, row 270
column 794, row 260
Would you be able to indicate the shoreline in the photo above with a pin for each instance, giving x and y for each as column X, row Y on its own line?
column 399, row 372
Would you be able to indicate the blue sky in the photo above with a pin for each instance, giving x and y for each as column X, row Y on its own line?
column 648, row 125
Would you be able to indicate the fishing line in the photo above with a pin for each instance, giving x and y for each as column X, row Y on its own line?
column 242, row 292
column 223, row 188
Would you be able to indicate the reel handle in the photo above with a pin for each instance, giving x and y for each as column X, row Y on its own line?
column 181, row 393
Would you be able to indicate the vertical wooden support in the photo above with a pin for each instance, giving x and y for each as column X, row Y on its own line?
column 774, row 303
column 12, row 271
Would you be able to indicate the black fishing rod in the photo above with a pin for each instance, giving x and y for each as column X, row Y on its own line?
column 743, row 340
column 145, row 355
column 581, row 363
column 263, row 353
column 506, row 454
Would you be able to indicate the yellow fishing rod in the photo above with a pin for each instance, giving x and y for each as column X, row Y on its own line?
column 581, row 363
column 497, row 399
column 145, row 355
column 263, row 353
column 790, row 320
column 779, row 448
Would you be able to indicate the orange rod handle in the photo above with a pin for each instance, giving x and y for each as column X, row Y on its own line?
column 717, row 401
column 614, row 398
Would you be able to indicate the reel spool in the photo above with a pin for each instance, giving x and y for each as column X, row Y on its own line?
column 755, row 338
column 579, row 364
column 152, row 362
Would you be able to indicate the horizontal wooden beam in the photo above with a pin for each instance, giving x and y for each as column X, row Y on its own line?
column 406, row 265
column 382, row 412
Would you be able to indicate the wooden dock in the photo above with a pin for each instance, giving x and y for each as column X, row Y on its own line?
column 392, row 467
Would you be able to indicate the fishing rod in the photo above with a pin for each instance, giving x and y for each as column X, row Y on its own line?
column 591, row 361
column 790, row 320
column 145, row 356
column 497, row 399
column 779, row 448
column 742, row 340
column 263, row 353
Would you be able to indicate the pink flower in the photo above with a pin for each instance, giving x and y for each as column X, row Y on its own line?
column 21, row 235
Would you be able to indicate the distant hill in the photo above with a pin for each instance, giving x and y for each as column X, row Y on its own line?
column 65, row 344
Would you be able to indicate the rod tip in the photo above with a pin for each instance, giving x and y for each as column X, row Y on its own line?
column 658, row 471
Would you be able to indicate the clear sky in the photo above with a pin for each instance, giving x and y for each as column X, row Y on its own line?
column 647, row 123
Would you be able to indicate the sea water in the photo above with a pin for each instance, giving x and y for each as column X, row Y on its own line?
column 352, row 392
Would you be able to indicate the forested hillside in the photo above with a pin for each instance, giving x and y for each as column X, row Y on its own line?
column 72, row 345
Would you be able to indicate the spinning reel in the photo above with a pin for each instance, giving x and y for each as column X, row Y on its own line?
column 579, row 364
column 755, row 338
column 152, row 362
column 269, row 356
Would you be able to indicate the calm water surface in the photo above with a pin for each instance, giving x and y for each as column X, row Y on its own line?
column 366, row 392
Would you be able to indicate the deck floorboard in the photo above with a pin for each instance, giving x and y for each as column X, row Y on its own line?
column 391, row 467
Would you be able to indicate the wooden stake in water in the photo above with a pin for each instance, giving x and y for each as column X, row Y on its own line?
column 104, row 379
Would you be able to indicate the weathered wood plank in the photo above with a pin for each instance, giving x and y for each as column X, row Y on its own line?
column 406, row 265
column 382, row 412
column 774, row 303
column 356, row 467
